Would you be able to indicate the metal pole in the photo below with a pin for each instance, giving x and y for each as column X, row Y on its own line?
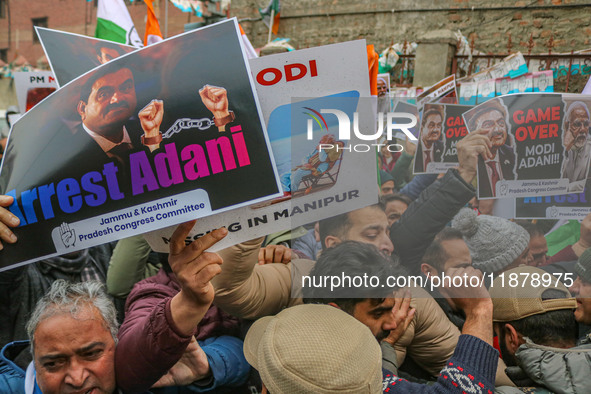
column 271, row 25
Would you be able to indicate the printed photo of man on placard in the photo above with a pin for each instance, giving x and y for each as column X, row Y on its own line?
column 492, row 117
column 107, row 103
column 431, row 146
column 577, row 145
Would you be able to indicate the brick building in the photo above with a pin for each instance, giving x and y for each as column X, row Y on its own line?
column 17, row 18
column 319, row 22
column 18, row 38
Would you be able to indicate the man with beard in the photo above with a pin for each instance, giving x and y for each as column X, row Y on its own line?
column 500, row 165
column 577, row 146
column 431, row 147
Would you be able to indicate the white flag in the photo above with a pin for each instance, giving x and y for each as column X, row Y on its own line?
column 114, row 23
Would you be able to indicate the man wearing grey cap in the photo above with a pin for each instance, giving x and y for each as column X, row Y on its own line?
column 533, row 320
column 495, row 244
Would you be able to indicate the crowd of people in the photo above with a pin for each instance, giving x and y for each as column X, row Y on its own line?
column 260, row 317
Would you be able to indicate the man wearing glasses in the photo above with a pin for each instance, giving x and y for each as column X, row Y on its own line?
column 577, row 146
column 501, row 164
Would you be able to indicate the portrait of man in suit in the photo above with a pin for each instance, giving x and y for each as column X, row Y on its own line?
column 431, row 144
column 492, row 118
column 577, row 145
column 107, row 104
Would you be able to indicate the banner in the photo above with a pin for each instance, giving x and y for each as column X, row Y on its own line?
column 322, row 176
column 543, row 81
column 139, row 143
column 468, row 93
column 442, row 126
column 565, row 206
column 443, row 91
column 540, row 144
column 279, row 78
column 486, row 90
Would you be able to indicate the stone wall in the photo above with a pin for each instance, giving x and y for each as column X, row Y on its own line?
column 319, row 22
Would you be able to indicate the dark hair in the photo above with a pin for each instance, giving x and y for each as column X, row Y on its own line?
column 435, row 254
column 554, row 328
column 533, row 229
column 429, row 112
column 385, row 199
column 337, row 226
column 486, row 108
column 352, row 259
column 106, row 69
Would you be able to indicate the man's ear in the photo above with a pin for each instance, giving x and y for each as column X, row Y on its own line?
column 512, row 338
column 331, row 241
column 81, row 109
column 333, row 304
column 428, row 270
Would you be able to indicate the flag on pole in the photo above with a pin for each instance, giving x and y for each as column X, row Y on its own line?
column 114, row 23
column 153, row 34
column 373, row 65
column 270, row 15
column 248, row 48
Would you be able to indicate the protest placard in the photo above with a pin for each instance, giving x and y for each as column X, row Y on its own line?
column 322, row 176
column 516, row 65
column 442, row 126
column 564, row 206
column 32, row 87
column 486, row 90
column 540, row 144
column 503, row 86
column 301, row 73
column 543, row 81
column 71, row 55
column 142, row 142
column 523, row 84
column 443, row 91
column 468, row 93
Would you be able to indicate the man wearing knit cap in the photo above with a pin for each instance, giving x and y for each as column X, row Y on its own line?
column 581, row 288
column 321, row 349
column 533, row 319
column 495, row 244
column 386, row 183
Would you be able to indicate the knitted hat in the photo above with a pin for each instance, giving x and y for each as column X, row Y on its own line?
column 314, row 349
column 494, row 242
column 583, row 266
column 385, row 177
column 516, row 297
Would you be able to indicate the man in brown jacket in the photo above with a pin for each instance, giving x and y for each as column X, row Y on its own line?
column 248, row 290
column 251, row 291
